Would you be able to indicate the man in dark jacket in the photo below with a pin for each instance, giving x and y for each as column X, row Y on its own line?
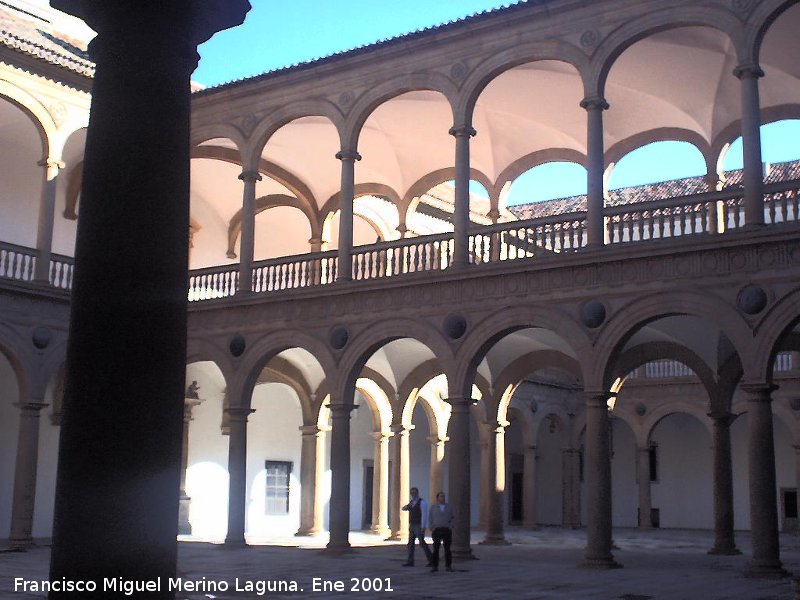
column 417, row 521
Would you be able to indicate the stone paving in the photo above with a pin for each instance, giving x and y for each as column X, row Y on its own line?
column 539, row 565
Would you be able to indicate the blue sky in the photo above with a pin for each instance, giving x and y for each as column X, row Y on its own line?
column 278, row 33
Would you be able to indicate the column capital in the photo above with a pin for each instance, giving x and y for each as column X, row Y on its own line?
column 435, row 440
column 31, row 407
column 380, row 436
column 748, row 71
column 400, row 429
column 595, row 399
column 497, row 426
column 594, row 103
column 51, row 163
column 722, row 418
column 341, row 410
column 310, row 430
column 349, row 155
column 462, row 131
column 759, row 391
column 239, row 413
column 249, row 175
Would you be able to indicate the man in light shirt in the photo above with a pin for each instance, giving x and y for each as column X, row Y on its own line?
column 440, row 519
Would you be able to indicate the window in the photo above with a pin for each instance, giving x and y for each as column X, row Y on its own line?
column 277, row 499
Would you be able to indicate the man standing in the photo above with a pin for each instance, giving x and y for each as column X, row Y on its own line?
column 417, row 521
column 441, row 522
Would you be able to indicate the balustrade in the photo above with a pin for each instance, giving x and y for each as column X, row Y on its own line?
column 701, row 214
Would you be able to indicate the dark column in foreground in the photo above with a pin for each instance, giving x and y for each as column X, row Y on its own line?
column 119, row 464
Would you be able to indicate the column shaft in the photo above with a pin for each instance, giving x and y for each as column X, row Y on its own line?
column 753, row 175
column 319, row 481
column 458, row 463
column 461, row 209
column 308, row 479
column 184, row 526
column 400, row 477
column 248, row 236
column 346, row 197
column 724, row 542
column 529, row 518
column 47, row 210
column 496, row 484
column 380, row 485
column 339, row 522
column 237, row 475
column 595, row 167
column 571, row 507
column 763, row 496
column 643, row 473
column 598, row 483
column 24, row 498
column 437, row 474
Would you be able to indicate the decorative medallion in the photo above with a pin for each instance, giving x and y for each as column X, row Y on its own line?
column 338, row 338
column 454, row 326
column 237, row 345
column 458, row 71
column 41, row 337
column 741, row 5
column 592, row 314
column 590, row 38
column 249, row 123
column 641, row 409
column 58, row 112
column 751, row 300
column 346, row 99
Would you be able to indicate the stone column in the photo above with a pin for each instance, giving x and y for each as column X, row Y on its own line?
column 339, row 521
column 346, row 197
column 184, row 526
column 723, row 485
column 529, row 518
column 47, row 210
column 571, row 500
column 598, row 483
column 595, row 168
column 248, row 239
column 437, row 458
column 237, row 474
column 496, row 484
column 461, row 210
column 763, row 496
column 485, row 481
column 643, row 474
column 25, row 476
column 312, row 462
column 400, row 476
column 458, row 463
column 380, row 485
column 797, row 480
column 753, row 175
column 116, row 502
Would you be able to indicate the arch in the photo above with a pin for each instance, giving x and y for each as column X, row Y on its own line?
column 650, row 351
column 378, row 401
column 9, row 340
column 484, row 335
column 264, row 350
column 760, row 21
column 386, row 91
column 202, row 349
column 771, row 330
column 437, row 421
column 262, row 204
column 35, row 111
column 505, row 60
column 290, row 181
column 657, row 21
column 431, row 180
column 369, row 340
column 629, row 318
column 535, row 159
column 286, row 114
column 363, row 189
column 679, row 407
column 662, row 134
column 206, row 133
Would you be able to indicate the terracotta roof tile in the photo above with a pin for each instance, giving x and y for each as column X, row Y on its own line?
column 37, row 39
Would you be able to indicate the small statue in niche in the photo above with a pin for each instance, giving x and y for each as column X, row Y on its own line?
column 191, row 391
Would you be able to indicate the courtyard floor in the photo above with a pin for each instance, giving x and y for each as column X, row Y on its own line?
column 658, row 565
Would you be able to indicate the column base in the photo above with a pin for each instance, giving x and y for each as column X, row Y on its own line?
column 766, row 570
column 20, row 545
column 600, row 563
column 337, row 550
column 395, row 536
column 309, row 532
column 725, row 550
column 531, row 526
column 464, row 553
column 184, row 527
column 380, row 530
column 494, row 541
column 235, row 543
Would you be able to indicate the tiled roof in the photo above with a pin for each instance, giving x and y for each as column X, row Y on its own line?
column 785, row 171
column 35, row 37
column 508, row 7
